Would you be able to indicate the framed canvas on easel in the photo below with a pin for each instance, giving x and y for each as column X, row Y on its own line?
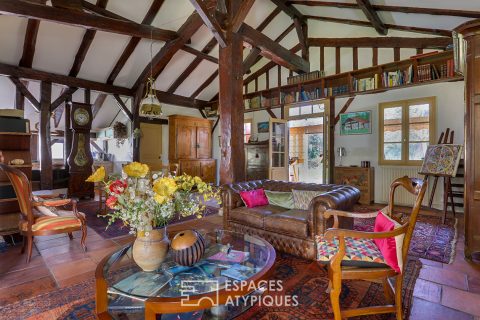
column 442, row 160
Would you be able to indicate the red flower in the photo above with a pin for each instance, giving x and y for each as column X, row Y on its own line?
column 118, row 186
column 112, row 202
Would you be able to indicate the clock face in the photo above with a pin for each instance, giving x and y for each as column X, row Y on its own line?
column 81, row 116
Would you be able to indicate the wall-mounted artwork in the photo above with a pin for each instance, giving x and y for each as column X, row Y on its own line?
column 262, row 127
column 442, row 160
column 356, row 123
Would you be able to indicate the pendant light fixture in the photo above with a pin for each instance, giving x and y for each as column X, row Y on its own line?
column 150, row 106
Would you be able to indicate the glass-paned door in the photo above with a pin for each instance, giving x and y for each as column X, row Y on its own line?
column 278, row 149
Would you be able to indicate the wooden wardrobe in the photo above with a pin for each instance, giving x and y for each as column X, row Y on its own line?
column 190, row 145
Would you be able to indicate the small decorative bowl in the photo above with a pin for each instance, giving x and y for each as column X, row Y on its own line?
column 187, row 247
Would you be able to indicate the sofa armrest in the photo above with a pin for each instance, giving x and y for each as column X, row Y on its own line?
column 342, row 198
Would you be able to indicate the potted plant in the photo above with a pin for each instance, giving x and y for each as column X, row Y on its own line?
column 147, row 203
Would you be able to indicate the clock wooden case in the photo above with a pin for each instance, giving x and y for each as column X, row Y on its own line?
column 80, row 159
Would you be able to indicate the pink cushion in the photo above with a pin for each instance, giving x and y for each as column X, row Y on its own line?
column 391, row 248
column 254, row 198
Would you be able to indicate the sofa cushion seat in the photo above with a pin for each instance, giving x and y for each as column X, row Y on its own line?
column 292, row 222
column 254, row 216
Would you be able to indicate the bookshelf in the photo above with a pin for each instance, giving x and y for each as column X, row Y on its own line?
column 415, row 71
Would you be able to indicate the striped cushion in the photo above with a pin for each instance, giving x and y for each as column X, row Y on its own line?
column 53, row 223
column 358, row 252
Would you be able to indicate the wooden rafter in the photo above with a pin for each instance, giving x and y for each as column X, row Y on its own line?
column 178, row 100
column 438, row 32
column 62, row 98
column 210, row 21
column 98, row 103
column 382, row 42
column 204, row 84
column 29, row 43
column 200, row 54
column 33, row 74
column 344, row 108
column 192, row 66
column 289, row 10
column 273, row 51
column 372, row 16
column 242, row 12
column 26, row 93
column 387, row 8
column 84, row 20
column 123, row 107
column 132, row 44
column 163, row 57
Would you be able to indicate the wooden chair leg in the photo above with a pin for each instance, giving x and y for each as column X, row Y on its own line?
column 335, row 289
column 398, row 297
column 70, row 235
column 389, row 295
column 29, row 247
column 84, row 237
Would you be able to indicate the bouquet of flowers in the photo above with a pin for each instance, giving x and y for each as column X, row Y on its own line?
column 144, row 201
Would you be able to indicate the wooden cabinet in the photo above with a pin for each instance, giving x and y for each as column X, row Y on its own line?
column 361, row 178
column 13, row 145
column 190, row 145
column 256, row 160
column 470, row 31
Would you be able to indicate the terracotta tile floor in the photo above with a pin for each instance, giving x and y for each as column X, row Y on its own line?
column 442, row 291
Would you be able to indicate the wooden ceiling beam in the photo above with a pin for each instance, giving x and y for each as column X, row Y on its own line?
column 201, row 54
column 98, row 103
column 274, row 51
column 33, row 74
column 29, row 43
column 242, row 12
column 62, row 98
column 26, row 93
column 192, row 66
column 438, row 32
column 178, row 100
column 84, row 20
column 291, row 11
column 372, row 16
column 166, row 53
column 205, row 84
column 133, row 43
column 211, row 23
column 302, row 33
column 382, row 42
column 123, row 107
column 387, row 8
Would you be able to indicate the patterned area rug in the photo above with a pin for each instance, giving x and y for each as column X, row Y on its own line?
column 431, row 239
column 117, row 229
column 300, row 277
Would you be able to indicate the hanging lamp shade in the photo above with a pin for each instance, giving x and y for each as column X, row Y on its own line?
column 150, row 107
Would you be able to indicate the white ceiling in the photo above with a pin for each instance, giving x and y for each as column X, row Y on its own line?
column 57, row 44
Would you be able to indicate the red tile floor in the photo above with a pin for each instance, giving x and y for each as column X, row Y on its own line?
column 442, row 291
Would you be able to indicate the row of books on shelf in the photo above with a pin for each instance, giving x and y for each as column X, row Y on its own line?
column 397, row 78
column 365, row 84
column 306, row 77
column 429, row 71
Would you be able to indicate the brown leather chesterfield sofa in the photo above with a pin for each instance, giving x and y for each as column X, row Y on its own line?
column 292, row 231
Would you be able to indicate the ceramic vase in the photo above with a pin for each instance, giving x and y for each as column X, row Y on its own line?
column 150, row 250
column 188, row 247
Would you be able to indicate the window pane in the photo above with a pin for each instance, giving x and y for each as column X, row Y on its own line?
column 392, row 151
column 416, row 151
column 295, row 111
column 419, row 113
column 57, row 150
column 392, row 133
column 306, row 110
column 419, row 132
column 317, row 108
column 392, row 115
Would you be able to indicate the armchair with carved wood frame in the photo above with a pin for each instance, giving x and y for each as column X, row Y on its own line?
column 337, row 271
column 32, row 225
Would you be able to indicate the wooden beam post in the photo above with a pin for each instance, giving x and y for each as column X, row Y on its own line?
column 67, row 133
column 331, row 140
column 19, row 100
column 355, row 58
column 337, row 60
column 136, row 121
column 46, row 173
column 374, row 56
column 232, row 162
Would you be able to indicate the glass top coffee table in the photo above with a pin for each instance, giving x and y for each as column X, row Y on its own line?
column 232, row 270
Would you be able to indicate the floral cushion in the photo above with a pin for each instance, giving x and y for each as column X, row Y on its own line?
column 358, row 252
column 302, row 198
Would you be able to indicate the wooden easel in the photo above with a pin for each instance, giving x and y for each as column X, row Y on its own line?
column 445, row 138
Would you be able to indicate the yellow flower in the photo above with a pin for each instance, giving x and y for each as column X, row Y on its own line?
column 164, row 187
column 97, row 176
column 136, row 170
column 197, row 180
column 160, row 199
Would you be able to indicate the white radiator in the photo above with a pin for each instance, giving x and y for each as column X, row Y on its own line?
column 385, row 176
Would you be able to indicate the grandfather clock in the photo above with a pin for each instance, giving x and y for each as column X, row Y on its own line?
column 80, row 159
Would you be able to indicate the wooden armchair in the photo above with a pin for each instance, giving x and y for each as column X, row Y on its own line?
column 32, row 223
column 349, row 243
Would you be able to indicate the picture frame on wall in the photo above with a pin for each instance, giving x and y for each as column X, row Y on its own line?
column 355, row 123
column 263, row 127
